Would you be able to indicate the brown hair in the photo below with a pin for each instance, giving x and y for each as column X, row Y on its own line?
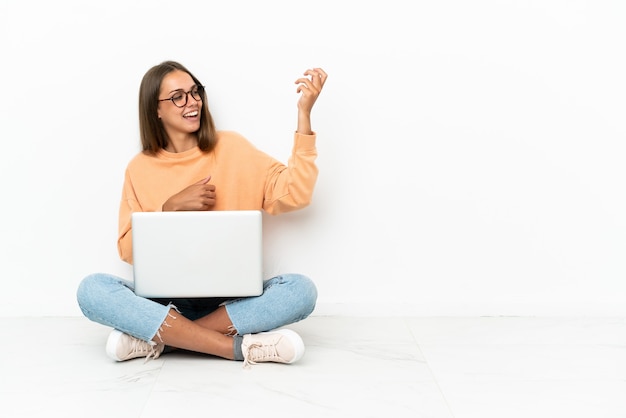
column 153, row 135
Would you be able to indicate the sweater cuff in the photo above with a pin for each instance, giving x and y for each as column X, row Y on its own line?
column 304, row 142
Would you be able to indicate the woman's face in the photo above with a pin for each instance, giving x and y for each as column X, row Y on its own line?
column 179, row 121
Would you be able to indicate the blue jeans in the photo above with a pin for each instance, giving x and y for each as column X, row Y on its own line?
column 111, row 301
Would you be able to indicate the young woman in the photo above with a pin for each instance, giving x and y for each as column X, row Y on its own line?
column 186, row 164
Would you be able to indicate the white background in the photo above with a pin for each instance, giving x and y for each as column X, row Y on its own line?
column 471, row 153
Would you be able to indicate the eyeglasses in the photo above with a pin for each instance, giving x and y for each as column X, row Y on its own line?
column 180, row 98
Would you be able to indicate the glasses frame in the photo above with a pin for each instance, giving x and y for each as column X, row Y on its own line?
column 200, row 90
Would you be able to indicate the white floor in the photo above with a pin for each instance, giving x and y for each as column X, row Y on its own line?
column 353, row 367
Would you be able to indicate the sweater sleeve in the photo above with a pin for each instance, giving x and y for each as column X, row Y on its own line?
column 128, row 205
column 290, row 187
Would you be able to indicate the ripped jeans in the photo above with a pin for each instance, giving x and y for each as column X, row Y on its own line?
column 111, row 301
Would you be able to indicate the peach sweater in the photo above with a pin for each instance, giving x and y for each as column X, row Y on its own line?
column 245, row 178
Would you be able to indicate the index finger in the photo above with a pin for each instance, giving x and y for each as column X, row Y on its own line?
column 317, row 73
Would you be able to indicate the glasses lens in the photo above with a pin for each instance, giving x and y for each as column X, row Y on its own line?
column 197, row 92
column 179, row 99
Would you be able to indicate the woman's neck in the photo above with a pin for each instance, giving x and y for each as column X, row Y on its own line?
column 181, row 143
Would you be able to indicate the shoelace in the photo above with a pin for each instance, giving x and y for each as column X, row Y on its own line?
column 142, row 347
column 258, row 352
column 153, row 354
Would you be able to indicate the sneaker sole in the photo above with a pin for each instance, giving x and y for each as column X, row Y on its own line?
column 296, row 340
column 112, row 341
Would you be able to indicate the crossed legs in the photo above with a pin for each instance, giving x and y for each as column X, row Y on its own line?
column 208, row 334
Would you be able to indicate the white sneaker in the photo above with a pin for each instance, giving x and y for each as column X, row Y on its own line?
column 280, row 346
column 121, row 347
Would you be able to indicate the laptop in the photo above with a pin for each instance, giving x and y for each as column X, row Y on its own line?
column 197, row 253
